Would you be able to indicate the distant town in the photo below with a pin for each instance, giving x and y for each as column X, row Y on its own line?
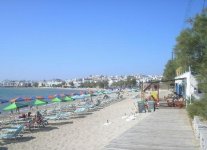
column 99, row 81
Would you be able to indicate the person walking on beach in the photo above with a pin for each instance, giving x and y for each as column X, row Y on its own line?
column 146, row 105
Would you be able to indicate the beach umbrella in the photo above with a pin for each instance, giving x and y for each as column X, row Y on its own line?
column 62, row 95
column 15, row 105
column 67, row 98
column 27, row 98
column 56, row 99
column 39, row 97
column 3, row 101
column 78, row 97
column 76, row 93
column 36, row 102
column 87, row 95
column 51, row 96
column 18, row 99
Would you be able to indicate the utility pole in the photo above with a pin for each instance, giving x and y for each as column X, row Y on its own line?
column 172, row 55
column 204, row 1
column 190, row 83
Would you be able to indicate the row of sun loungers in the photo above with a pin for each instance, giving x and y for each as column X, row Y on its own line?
column 14, row 129
column 58, row 116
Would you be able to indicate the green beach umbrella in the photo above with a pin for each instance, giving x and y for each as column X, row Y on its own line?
column 56, row 99
column 36, row 102
column 14, row 106
column 67, row 98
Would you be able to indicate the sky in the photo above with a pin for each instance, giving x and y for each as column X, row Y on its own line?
column 77, row 38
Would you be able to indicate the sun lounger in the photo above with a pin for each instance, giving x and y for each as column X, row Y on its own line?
column 58, row 116
column 80, row 111
column 12, row 133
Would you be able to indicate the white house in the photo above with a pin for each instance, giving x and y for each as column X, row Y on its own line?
column 187, row 86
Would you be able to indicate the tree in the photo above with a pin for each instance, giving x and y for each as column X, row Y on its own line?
column 191, row 51
column 35, row 84
column 102, row 84
column 131, row 81
column 71, row 84
column 170, row 70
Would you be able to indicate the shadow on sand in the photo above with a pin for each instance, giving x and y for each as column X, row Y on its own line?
column 77, row 116
column 3, row 148
column 45, row 129
column 61, row 123
column 18, row 140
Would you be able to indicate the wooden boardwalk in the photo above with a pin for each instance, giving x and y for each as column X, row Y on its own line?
column 165, row 129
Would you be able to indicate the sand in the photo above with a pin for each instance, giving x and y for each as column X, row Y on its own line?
column 92, row 132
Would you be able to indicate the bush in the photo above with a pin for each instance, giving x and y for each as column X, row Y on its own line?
column 198, row 108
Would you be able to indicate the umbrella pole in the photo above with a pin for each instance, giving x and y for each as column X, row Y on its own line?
column 59, row 107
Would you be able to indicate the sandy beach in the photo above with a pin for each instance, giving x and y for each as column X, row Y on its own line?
column 92, row 132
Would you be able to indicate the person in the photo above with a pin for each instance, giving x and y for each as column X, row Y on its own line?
column 118, row 94
column 12, row 112
column 23, row 115
column 105, row 96
column 17, row 110
column 98, row 102
column 38, row 117
column 155, row 105
column 29, row 114
column 146, row 105
column 38, row 114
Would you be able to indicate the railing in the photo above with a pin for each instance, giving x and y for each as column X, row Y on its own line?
column 200, row 130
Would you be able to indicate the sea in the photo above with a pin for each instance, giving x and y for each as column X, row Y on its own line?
column 11, row 93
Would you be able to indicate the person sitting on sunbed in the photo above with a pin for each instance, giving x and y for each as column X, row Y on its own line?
column 29, row 114
column 39, row 115
column 23, row 116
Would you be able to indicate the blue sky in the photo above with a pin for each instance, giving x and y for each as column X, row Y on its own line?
column 76, row 38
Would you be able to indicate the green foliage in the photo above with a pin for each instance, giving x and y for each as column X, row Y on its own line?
column 191, row 50
column 71, row 84
column 130, row 82
column 100, row 84
column 120, row 84
column 169, row 71
column 35, row 84
column 191, row 47
column 198, row 108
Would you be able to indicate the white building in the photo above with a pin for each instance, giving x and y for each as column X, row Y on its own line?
column 187, row 86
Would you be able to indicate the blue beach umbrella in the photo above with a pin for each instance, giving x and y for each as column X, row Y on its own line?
column 18, row 99
column 3, row 101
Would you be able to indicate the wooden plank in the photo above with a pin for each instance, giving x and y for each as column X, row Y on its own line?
column 166, row 129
